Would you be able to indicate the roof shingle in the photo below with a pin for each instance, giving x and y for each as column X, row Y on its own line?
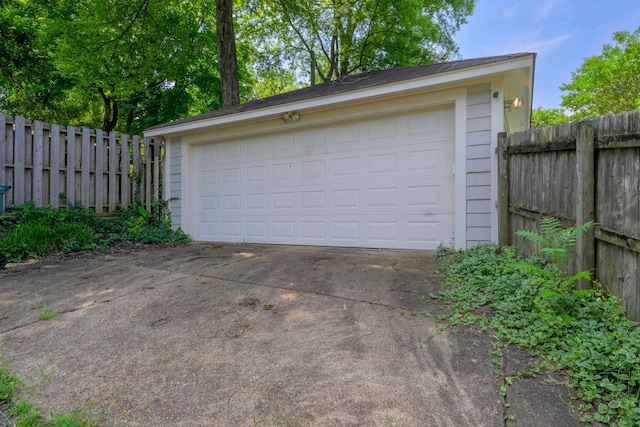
column 349, row 83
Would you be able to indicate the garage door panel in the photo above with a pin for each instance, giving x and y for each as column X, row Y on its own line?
column 232, row 150
column 380, row 183
column 257, row 201
column 386, row 232
column 400, row 196
column 284, row 200
column 345, row 166
column 334, row 167
column 380, row 131
column 429, row 126
column 283, row 230
column 232, row 176
column 256, row 148
column 283, row 145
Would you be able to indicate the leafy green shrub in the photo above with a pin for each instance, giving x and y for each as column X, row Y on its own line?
column 42, row 231
column 29, row 213
column 33, row 239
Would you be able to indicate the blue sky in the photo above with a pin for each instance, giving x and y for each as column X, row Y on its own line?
column 562, row 32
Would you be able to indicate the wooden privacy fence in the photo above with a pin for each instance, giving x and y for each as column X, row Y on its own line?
column 577, row 172
column 53, row 165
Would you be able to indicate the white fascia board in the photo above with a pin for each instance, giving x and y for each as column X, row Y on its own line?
column 460, row 169
column 497, row 126
column 351, row 96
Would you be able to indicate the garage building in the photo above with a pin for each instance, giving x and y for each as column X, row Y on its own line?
column 401, row 158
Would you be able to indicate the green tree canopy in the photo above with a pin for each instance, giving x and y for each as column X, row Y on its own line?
column 128, row 64
column 114, row 64
column 541, row 117
column 333, row 38
column 609, row 82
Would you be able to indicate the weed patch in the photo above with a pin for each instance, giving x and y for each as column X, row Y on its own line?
column 583, row 333
column 19, row 412
column 46, row 313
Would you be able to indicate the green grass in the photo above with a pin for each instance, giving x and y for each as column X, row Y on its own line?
column 47, row 314
column 583, row 333
column 23, row 414
column 44, row 231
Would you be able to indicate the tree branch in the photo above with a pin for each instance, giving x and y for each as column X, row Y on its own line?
column 143, row 7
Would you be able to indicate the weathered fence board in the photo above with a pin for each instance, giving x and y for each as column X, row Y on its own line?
column 576, row 172
column 58, row 166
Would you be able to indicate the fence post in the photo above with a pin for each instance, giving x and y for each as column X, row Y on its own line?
column 504, row 237
column 585, row 209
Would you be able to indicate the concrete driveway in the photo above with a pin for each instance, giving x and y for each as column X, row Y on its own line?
column 243, row 335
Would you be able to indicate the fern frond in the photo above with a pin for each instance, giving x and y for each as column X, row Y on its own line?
column 556, row 254
column 582, row 275
column 534, row 237
column 550, row 228
column 556, row 242
column 581, row 229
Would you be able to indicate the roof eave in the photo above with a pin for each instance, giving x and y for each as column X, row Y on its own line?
column 355, row 95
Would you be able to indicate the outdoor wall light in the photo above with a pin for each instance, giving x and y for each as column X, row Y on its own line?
column 515, row 103
column 290, row 116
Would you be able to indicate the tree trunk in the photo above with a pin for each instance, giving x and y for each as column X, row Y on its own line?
column 110, row 118
column 227, row 59
column 313, row 69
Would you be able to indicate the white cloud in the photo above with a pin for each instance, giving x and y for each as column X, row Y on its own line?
column 540, row 45
column 509, row 14
column 545, row 9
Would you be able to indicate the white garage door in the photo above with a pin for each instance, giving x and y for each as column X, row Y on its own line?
column 383, row 183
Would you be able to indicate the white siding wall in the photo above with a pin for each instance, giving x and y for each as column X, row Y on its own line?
column 478, row 164
column 175, row 181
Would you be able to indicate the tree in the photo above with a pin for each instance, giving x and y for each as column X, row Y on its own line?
column 328, row 39
column 128, row 64
column 541, row 117
column 133, row 51
column 609, row 82
column 29, row 83
column 114, row 64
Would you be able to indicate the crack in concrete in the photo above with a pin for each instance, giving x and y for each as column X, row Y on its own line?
column 222, row 279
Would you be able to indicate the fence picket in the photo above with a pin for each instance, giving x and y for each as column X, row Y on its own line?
column 70, row 164
column 124, row 173
column 40, row 162
column 85, row 167
column 113, row 169
column 38, row 142
column 54, row 168
column 147, row 175
column 18, row 161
